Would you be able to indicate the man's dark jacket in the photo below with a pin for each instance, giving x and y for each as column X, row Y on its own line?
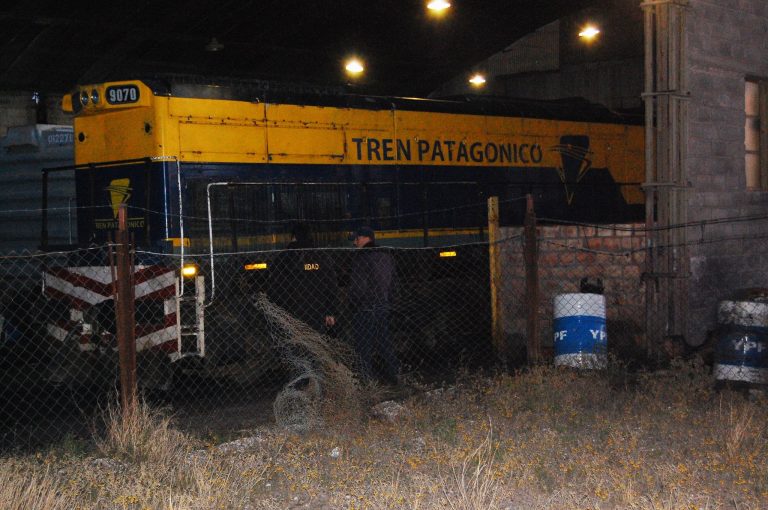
column 371, row 279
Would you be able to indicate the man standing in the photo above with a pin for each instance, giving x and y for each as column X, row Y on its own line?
column 370, row 295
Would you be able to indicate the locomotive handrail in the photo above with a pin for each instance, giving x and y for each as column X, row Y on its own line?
column 210, row 237
column 181, row 215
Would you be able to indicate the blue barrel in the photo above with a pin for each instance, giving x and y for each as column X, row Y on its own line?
column 581, row 340
column 741, row 354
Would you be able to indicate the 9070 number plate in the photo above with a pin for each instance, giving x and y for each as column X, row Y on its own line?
column 122, row 94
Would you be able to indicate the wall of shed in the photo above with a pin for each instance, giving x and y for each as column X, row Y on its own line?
column 727, row 42
column 553, row 62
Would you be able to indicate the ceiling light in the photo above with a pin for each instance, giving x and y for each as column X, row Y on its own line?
column 478, row 80
column 589, row 32
column 354, row 66
column 438, row 5
column 214, row 45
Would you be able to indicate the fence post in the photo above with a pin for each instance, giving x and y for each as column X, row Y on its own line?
column 44, row 213
column 124, row 314
column 531, row 257
column 497, row 318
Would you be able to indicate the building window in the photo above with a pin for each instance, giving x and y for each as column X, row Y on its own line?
column 755, row 134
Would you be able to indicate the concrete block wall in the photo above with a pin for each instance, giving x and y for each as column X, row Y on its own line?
column 568, row 253
column 616, row 84
column 727, row 41
column 554, row 62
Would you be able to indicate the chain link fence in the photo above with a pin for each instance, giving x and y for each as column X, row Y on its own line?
column 249, row 337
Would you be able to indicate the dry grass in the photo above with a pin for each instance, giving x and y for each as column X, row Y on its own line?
column 473, row 486
column 740, row 429
column 560, row 440
column 145, row 434
column 34, row 491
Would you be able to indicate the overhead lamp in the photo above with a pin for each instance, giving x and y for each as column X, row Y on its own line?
column 477, row 80
column 214, row 45
column 438, row 5
column 589, row 32
column 354, row 67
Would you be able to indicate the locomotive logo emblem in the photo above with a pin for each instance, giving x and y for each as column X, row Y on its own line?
column 119, row 193
column 574, row 161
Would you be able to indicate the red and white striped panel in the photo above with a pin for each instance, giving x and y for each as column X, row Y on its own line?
column 83, row 287
column 90, row 285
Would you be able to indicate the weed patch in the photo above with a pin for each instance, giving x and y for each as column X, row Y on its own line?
column 542, row 438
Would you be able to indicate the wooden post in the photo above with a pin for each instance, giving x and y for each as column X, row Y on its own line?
column 531, row 256
column 497, row 316
column 124, row 315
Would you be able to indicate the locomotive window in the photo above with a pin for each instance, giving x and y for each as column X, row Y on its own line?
column 410, row 205
column 381, row 197
column 454, row 205
column 755, row 139
column 247, row 216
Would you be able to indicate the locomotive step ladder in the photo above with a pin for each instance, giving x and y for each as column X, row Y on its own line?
column 190, row 318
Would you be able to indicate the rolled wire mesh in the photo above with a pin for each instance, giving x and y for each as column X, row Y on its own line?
column 321, row 370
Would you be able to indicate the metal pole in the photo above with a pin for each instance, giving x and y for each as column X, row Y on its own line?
column 497, row 320
column 531, row 256
column 666, row 174
column 649, row 98
column 44, row 226
column 124, row 312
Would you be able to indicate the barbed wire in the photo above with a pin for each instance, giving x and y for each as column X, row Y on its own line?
column 623, row 253
column 49, row 209
column 43, row 254
column 280, row 221
column 634, row 228
column 326, row 249
column 541, row 221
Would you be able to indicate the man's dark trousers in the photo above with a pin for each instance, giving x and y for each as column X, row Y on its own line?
column 371, row 329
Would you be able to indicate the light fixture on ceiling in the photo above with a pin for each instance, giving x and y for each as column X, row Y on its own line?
column 477, row 80
column 589, row 32
column 354, row 67
column 214, row 45
column 438, row 5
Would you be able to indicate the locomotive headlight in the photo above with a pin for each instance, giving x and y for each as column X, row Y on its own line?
column 189, row 270
column 95, row 98
column 84, row 97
